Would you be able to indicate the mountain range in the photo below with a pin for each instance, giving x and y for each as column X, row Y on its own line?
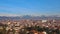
column 29, row 17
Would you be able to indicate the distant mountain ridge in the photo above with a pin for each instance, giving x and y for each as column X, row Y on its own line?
column 29, row 17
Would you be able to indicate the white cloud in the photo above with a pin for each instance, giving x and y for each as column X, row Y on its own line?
column 3, row 14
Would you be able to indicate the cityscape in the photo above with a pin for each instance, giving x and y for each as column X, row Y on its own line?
column 29, row 16
column 29, row 26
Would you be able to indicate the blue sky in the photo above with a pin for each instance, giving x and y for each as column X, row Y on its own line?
column 29, row 7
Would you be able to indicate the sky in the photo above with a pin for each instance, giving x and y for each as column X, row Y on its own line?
column 29, row 7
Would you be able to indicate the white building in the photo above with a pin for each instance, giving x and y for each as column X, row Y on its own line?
column 44, row 21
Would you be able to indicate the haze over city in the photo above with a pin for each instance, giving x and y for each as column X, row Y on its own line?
column 29, row 7
column 29, row 16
